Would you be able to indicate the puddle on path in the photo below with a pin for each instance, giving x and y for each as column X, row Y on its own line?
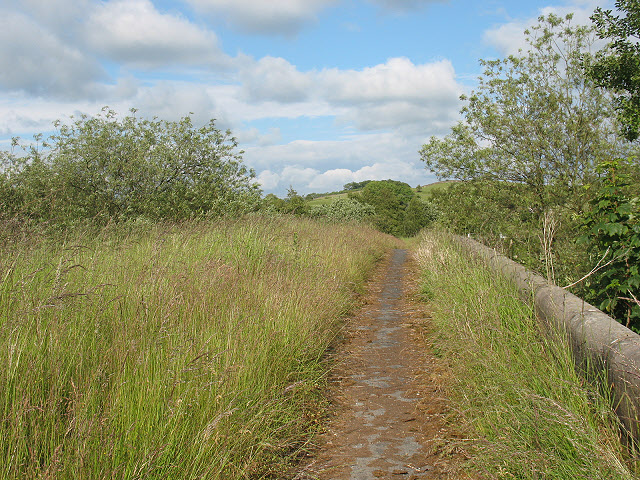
column 389, row 414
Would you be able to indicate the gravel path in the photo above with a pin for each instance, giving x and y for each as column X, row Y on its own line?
column 389, row 412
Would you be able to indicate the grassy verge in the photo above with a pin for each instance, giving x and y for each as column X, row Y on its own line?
column 529, row 412
column 189, row 351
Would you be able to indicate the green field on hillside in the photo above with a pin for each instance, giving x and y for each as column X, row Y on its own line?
column 423, row 193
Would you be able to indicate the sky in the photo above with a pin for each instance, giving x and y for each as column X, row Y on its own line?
column 319, row 93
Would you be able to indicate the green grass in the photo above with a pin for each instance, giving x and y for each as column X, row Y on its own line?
column 426, row 190
column 327, row 199
column 175, row 351
column 528, row 412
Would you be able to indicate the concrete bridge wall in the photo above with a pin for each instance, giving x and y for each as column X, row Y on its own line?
column 600, row 344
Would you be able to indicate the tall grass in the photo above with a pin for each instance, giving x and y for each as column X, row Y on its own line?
column 190, row 351
column 531, row 414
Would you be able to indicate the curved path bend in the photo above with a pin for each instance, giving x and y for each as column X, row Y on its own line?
column 389, row 417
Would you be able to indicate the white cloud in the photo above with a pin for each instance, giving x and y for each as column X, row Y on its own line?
column 36, row 60
column 22, row 113
column 404, row 5
column 509, row 37
column 63, row 17
column 174, row 100
column 322, row 166
column 268, row 180
column 307, row 180
column 283, row 17
column 296, row 175
column 408, row 117
column 398, row 78
column 253, row 136
column 134, row 32
column 275, row 79
column 395, row 94
column 331, row 180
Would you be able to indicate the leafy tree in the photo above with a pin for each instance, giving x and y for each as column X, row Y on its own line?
column 273, row 204
column 534, row 121
column 375, row 191
column 104, row 167
column 355, row 185
column 343, row 210
column 294, row 203
column 418, row 215
column 26, row 183
column 618, row 67
column 613, row 232
column 533, row 133
column 390, row 199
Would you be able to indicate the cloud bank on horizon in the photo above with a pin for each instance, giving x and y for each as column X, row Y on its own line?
column 319, row 92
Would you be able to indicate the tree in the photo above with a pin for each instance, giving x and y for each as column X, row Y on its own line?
column 273, row 204
column 535, row 120
column 294, row 203
column 613, row 234
column 618, row 68
column 418, row 215
column 390, row 199
column 104, row 167
column 355, row 185
column 343, row 210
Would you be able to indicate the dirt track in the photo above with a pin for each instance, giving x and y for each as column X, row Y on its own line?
column 389, row 415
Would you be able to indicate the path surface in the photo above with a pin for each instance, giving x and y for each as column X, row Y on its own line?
column 389, row 415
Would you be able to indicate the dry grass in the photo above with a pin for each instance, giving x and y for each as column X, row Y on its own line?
column 189, row 351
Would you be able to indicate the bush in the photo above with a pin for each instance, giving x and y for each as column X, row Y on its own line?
column 390, row 199
column 419, row 215
column 108, row 168
column 343, row 210
column 613, row 233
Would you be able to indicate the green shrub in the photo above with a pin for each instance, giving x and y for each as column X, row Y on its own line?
column 613, row 234
column 343, row 210
column 106, row 168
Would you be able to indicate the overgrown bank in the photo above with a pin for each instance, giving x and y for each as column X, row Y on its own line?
column 529, row 414
column 175, row 351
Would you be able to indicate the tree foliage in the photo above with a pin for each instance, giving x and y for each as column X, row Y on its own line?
column 613, row 233
column 104, row 167
column 534, row 120
column 293, row 204
column 397, row 209
column 355, row 185
column 618, row 68
column 533, row 133
column 343, row 210
column 418, row 215
column 389, row 198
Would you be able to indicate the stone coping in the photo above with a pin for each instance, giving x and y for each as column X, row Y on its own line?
column 603, row 348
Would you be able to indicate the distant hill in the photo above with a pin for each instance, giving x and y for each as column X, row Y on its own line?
column 423, row 192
